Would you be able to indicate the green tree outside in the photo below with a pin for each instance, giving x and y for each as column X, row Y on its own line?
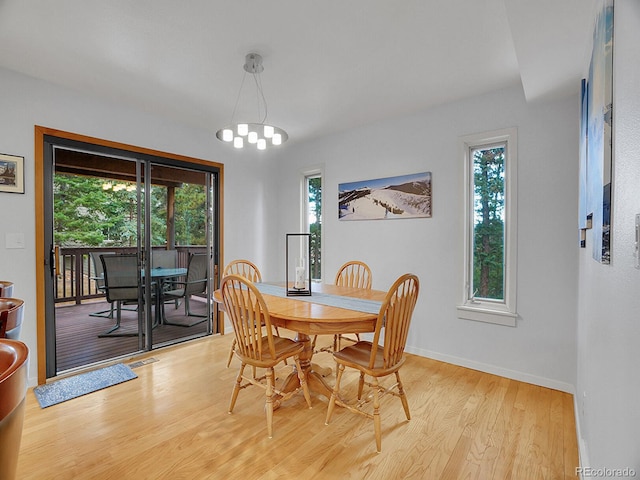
column 88, row 214
column 315, row 228
column 488, row 248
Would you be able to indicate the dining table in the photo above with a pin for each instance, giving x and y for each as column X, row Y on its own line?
column 159, row 276
column 329, row 310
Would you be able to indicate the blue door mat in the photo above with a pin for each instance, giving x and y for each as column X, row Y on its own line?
column 78, row 385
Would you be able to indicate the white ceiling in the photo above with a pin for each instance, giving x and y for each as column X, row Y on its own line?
column 329, row 64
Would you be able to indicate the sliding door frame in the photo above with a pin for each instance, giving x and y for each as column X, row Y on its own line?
column 43, row 193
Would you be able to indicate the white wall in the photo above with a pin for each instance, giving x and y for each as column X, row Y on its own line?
column 26, row 102
column 542, row 348
column 608, row 386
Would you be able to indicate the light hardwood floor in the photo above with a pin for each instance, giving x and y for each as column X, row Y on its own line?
column 172, row 422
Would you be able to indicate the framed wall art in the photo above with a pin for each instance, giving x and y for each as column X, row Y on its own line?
column 11, row 173
column 583, row 223
column 406, row 196
column 596, row 163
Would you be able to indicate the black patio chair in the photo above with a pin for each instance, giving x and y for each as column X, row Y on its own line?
column 195, row 284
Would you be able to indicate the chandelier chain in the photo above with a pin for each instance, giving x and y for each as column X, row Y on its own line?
column 258, row 80
column 235, row 107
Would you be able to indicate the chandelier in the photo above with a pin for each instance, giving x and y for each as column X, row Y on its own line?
column 260, row 134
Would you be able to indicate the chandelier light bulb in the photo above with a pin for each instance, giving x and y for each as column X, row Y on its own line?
column 237, row 142
column 262, row 144
column 243, row 129
column 277, row 139
column 253, row 137
column 227, row 135
column 268, row 131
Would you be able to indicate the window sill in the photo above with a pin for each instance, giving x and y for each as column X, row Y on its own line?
column 483, row 313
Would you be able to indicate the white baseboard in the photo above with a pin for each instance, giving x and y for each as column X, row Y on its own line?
column 495, row 370
column 583, row 451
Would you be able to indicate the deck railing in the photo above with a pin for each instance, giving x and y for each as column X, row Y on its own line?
column 74, row 283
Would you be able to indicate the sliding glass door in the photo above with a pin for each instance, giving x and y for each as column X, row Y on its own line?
column 132, row 243
column 181, row 232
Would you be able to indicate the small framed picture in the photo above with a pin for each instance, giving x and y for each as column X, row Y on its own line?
column 11, row 173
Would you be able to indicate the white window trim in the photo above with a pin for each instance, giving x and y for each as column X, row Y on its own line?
column 501, row 313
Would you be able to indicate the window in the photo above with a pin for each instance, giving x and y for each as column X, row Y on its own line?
column 489, row 290
column 312, row 213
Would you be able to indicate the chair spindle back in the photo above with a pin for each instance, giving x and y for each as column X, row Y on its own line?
column 244, row 268
column 249, row 316
column 395, row 317
column 354, row 274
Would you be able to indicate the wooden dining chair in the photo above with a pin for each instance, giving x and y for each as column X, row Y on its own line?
column 256, row 343
column 377, row 360
column 250, row 271
column 243, row 267
column 352, row 274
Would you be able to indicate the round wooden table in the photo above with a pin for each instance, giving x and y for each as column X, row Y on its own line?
column 307, row 318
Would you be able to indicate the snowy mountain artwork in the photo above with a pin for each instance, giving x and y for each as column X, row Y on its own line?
column 405, row 196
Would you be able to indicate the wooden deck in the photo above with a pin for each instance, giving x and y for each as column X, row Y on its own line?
column 78, row 343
